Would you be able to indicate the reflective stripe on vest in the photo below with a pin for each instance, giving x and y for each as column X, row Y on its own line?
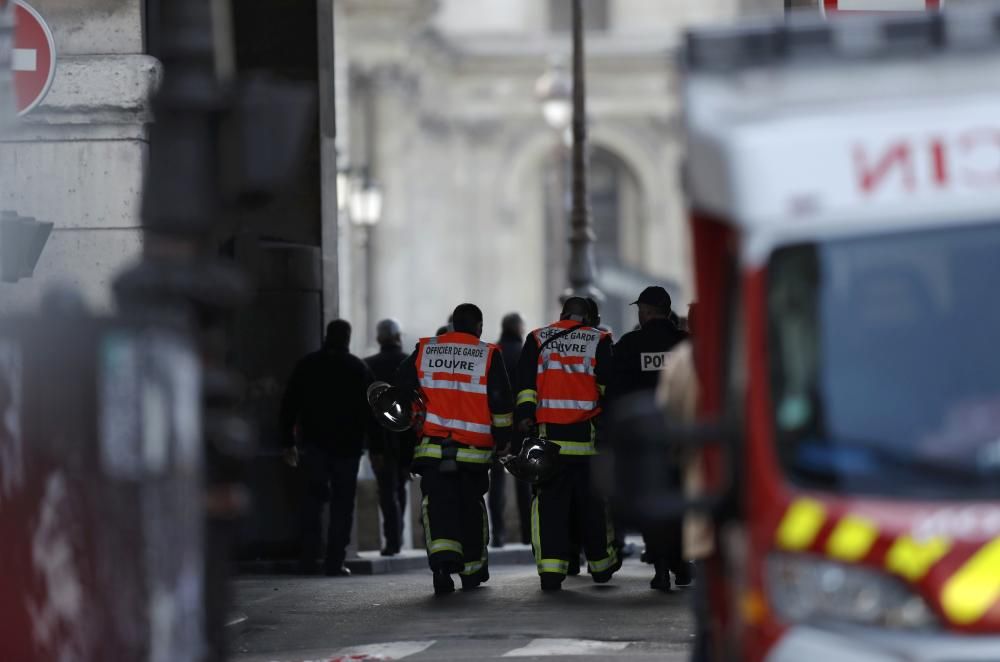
column 584, row 405
column 567, row 381
column 456, row 424
column 452, row 370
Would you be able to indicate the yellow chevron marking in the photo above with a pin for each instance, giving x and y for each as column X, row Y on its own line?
column 801, row 525
column 971, row 591
column 913, row 559
column 852, row 539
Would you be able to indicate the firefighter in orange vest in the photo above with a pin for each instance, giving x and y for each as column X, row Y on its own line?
column 562, row 374
column 469, row 418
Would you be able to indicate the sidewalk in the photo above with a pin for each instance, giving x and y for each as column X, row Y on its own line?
column 371, row 563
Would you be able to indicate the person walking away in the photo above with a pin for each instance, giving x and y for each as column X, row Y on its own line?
column 562, row 374
column 511, row 340
column 469, row 416
column 640, row 358
column 325, row 414
column 390, row 452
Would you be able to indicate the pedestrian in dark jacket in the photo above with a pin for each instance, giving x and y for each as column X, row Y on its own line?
column 510, row 344
column 324, row 421
column 390, row 452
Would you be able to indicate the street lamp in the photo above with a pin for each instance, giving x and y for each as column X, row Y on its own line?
column 366, row 202
column 554, row 91
column 558, row 108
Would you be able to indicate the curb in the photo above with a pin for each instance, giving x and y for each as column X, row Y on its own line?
column 371, row 563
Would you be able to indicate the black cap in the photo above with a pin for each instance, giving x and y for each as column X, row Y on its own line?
column 654, row 295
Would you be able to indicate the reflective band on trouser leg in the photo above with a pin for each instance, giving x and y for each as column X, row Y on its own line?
column 475, row 566
column 553, row 565
column 612, row 558
column 441, row 545
column 527, row 395
column 975, row 588
column 536, row 535
column 445, row 545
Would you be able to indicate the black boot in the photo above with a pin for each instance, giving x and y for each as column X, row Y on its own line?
column 470, row 582
column 443, row 583
column 605, row 576
column 661, row 580
column 683, row 574
column 574, row 566
column 552, row 581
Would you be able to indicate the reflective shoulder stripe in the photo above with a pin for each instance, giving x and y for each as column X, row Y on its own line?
column 601, row 388
column 527, row 395
column 503, row 420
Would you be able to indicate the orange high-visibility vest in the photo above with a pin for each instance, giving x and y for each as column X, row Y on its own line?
column 452, row 369
column 567, row 374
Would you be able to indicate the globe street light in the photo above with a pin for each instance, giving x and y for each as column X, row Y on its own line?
column 554, row 91
column 366, row 201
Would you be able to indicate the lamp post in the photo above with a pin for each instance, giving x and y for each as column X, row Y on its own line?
column 365, row 211
column 564, row 102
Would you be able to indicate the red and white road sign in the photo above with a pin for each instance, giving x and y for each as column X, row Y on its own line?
column 34, row 57
column 860, row 6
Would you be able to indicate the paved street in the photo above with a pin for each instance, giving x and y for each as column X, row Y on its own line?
column 396, row 616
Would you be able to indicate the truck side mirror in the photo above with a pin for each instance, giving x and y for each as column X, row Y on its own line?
column 651, row 453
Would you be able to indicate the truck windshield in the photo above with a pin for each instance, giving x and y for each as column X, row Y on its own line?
column 885, row 363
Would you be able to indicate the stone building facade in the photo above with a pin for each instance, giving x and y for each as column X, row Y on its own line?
column 445, row 118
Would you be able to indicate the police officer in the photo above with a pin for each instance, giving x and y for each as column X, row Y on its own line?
column 562, row 374
column 469, row 416
column 640, row 358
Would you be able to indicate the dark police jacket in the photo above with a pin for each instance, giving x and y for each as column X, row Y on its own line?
column 640, row 357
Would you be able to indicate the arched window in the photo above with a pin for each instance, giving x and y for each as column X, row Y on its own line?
column 616, row 213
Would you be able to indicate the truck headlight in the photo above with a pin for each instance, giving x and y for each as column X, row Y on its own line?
column 805, row 588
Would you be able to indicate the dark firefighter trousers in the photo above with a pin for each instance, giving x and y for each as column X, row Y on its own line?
column 454, row 516
column 565, row 513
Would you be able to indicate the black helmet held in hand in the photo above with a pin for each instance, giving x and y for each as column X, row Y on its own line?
column 395, row 408
column 537, row 462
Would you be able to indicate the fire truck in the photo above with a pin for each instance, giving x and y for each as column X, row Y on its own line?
column 844, row 180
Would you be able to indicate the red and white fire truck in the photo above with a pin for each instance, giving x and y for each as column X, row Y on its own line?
column 844, row 178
